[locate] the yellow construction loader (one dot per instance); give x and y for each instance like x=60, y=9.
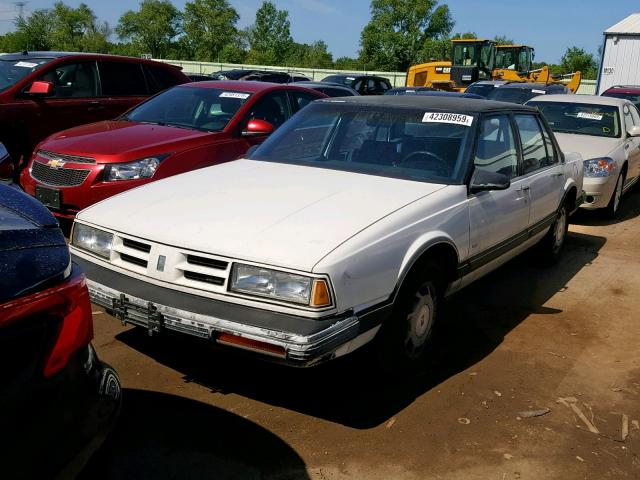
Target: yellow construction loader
x=480, y=59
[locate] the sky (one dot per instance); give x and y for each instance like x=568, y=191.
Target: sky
x=548, y=25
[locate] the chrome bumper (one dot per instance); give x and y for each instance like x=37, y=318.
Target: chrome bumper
x=339, y=338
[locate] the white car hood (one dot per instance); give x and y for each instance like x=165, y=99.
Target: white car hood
x=589, y=146
x=283, y=215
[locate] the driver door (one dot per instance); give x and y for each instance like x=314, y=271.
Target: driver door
x=498, y=219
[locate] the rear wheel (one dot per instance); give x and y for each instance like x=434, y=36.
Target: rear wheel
x=612, y=209
x=405, y=337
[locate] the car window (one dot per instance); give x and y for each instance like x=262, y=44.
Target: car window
x=534, y=151
x=628, y=119
x=272, y=107
x=580, y=118
x=73, y=80
x=636, y=116
x=120, y=79
x=160, y=78
x=383, y=86
x=357, y=85
x=301, y=99
x=632, y=97
x=496, y=148
x=11, y=71
x=207, y=109
x=386, y=141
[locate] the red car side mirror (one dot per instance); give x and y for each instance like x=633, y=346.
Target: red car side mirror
x=41, y=89
x=258, y=128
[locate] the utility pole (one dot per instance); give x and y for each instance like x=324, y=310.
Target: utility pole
x=20, y=6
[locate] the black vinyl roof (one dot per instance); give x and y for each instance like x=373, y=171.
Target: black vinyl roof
x=449, y=104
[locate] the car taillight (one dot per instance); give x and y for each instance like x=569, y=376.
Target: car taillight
x=68, y=301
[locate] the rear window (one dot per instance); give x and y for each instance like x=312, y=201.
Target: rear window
x=632, y=97
x=482, y=90
x=121, y=79
x=161, y=78
x=513, y=95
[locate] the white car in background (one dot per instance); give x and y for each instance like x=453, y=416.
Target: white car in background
x=350, y=224
x=606, y=132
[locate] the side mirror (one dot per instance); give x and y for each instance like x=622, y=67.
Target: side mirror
x=484, y=181
x=41, y=89
x=6, y=166
x=634, y=131
x=258, y=128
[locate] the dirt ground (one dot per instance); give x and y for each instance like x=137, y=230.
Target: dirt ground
x=522, y=340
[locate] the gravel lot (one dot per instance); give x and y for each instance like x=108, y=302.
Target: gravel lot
x=520, y=341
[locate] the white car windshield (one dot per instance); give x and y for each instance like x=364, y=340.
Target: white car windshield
x=581, y=118
x=393, y=142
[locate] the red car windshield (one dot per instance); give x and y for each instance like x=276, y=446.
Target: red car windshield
x=206, y=109
x=11, y=71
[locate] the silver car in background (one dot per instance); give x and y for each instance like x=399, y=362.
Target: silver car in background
x=606, y=132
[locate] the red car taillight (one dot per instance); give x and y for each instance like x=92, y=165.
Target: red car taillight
x=68, y=301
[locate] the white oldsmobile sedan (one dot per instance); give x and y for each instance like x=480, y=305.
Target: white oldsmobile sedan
x=606, y=132
x=350, y=224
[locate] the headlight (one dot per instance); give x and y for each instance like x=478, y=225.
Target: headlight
x=599, y=167
x=278, y=285
x=92, y=240
x=144, y=168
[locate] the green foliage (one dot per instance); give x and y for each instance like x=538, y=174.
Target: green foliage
x=209, y=26
x=575, y=59
x=153, y=27
x=399, y=30
x=502, y=40
x=315, y=55
x=464, y=36
x=77, y=29
x=34, y=32
x=269, y=38
x=347, y=63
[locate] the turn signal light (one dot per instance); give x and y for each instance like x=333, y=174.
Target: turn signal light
x=320, y=294
x=250, y=344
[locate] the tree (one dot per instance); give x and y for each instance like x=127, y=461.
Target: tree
x=502, y=40
x=346, y=63
x=34, y=31
x=399, y=29
x=153, y=27
x=209, y=26
x=270, y=37
x=315, y=55
x=464, y=36
x=575, y=59
x=77, y=29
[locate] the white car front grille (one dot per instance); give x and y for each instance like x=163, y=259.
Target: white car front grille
x=170, y=264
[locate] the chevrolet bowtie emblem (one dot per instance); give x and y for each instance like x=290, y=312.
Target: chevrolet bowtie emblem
x=55, y=163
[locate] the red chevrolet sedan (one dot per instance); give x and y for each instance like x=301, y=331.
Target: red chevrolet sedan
x=187, y=127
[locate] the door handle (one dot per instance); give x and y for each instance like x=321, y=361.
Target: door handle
x=558, y=175
x=526, y=188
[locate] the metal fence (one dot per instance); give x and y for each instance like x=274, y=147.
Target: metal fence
x=398, y=79
x=204, y=68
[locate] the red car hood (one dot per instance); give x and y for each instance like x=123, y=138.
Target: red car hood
x=115, y=141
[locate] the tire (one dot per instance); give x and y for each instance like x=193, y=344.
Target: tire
x=613, y=208
x=551, y=245
x=404, y=339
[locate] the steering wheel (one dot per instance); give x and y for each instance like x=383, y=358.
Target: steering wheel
x=440, y=165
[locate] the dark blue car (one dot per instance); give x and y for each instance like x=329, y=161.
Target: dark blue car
x=58, y=399
x=430, y=92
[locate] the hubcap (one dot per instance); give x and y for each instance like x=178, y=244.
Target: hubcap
x=561, y=227
x=420, y=321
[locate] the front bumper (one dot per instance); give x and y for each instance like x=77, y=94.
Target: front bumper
x=598, y=191
x=294, y=340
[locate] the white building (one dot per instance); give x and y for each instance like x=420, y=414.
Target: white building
x=620, y=62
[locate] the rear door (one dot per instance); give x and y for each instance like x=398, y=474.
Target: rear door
x=541, y=167
x=498, y=219
x=632, y=144
x=123, y=85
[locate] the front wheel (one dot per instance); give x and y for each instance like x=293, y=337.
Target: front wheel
x=405, y=336
x=612, y=209
x=551, y=245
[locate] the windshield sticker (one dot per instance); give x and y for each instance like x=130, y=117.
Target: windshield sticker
x=590, y=116
x=26, y=65
x=539, y=92
x=453, y=118
x=242, y=96
x=351, y=78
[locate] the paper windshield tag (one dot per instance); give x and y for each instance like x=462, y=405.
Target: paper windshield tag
x=539, y=92
x=453, y=118
x=242, y=96
x=26, y=64
x=590, y=116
